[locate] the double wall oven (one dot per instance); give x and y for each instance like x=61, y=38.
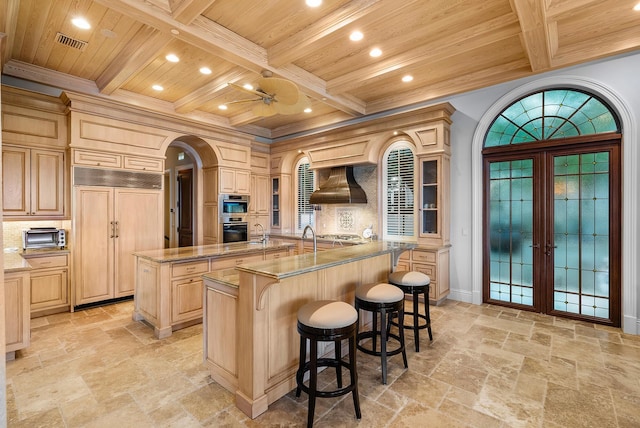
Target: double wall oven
x=234, y=218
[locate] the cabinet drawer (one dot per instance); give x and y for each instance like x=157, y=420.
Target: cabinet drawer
x=189, y=268
x=48, y=261
x=143, y=164
x=81, y=157
x=405, y=255
x=231, y=262
x=428, y=270
x=424, y=256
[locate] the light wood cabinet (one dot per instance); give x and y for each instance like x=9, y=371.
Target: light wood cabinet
x=33, y=183
x=434, y=200
x=117, y=161
x=234, y=181
x=109, y=225
x=432, y=261
x=259, y=198
x=169, y=295
x=17, y=322
x=49, y=284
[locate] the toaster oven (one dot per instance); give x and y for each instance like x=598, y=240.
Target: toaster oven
x=43, y=237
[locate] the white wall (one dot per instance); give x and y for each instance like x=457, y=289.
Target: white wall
x=616, y=78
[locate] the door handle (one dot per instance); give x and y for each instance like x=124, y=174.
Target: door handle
x=548, y=248
x=113, y=230
x=534, y=246
x=117, y=229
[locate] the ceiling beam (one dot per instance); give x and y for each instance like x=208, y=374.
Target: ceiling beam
x=209, y=91
x=473, y=38
x=136, y=55
x=535, y=33
x=295, y=46
x=220, y=41
x=188, y=10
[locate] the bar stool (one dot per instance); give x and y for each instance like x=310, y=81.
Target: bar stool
x=327, y=321
x=414, y=283
x=383, y=299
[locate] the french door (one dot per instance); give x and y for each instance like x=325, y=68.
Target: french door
x=552, y=230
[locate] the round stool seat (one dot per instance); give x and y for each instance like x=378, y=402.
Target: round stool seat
x=409, y=278
x=379, y=293
x=327, y=314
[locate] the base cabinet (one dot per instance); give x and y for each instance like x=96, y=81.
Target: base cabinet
x=49, y=284
x=17, y=318
x=432, y=261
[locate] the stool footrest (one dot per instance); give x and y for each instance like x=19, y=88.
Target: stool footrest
x=369, y=334
x=409, y=315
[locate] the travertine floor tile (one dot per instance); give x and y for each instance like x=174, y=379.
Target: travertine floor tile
x=486, y=367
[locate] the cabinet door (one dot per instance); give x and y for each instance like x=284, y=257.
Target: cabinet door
x=139, y=223
x=243, y=182
x=260, y=194
x=93, y=246
x=49, y=289
x=47, y=183
x=227, y=181
x=186, y=299
x=15, y=181
x=16, y=316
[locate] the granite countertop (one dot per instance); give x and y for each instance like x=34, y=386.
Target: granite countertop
x=296, y=265
x=167, y=255
x=14, y=262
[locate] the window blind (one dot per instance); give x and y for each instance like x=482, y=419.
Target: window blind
x=305, y=188
x=399, y=201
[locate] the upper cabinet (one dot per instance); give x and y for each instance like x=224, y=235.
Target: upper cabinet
x=33, y=183
x=434, y=200
x=234, y=181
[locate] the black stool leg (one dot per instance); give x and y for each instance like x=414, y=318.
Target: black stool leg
x=416, y=329
x=354, y=375
x=313, y=381
x=383, y=343
x=303, y=356
x=426, y=311
x=401, y=335
x=338, y=355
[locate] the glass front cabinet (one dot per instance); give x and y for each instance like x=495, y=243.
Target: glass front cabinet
x=275, y=202
x=434, y=199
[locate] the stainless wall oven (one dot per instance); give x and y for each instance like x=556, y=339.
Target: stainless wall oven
x=234, y=218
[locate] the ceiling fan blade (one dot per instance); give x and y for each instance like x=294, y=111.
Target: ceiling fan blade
x=284, y=91
x=264, y=110
x=248, y=100
x=298, y=107
x=249, y=91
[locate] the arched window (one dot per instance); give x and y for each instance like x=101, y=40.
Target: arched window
x=399, y=190
x=551, y=114
x=305, y=179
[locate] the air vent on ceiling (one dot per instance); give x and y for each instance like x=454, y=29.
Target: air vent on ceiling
x=71, y=42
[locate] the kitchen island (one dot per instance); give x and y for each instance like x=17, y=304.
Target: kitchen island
x=251, y=344
x=168, y=282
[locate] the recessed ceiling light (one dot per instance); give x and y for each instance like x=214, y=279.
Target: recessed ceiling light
x=157, y=88
x=375, y=52
x=205, y=70
x=308, y=110
x=172, y=58
x=248, y=86
x=407, y=78
x=222, y=106
x=80, y=22
x=356, y=36
x=636, y=7
x=314, y=3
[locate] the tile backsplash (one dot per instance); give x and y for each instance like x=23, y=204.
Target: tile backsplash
x=12, y=230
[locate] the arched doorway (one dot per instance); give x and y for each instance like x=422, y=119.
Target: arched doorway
x=188, y=194
x=552, y=207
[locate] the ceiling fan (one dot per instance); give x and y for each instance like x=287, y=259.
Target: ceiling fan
x=274, y=96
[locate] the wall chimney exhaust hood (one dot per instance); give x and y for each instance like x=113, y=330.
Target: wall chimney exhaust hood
x=340, y=188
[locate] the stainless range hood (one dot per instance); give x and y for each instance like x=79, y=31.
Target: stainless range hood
x=340, y=188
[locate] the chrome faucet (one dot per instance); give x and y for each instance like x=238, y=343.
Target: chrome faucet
x=304, y=235
x=264, y=235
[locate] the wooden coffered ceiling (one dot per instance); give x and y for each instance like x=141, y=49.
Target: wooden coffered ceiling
x=448, y=46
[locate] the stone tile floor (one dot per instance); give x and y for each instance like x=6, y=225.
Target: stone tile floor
x=486, y=367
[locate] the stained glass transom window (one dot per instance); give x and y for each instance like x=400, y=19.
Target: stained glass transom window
x=551, y=114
